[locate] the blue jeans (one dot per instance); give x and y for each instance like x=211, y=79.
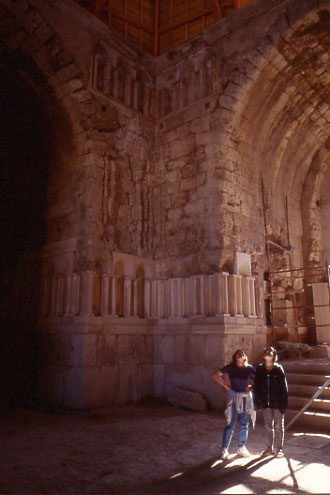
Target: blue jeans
x=243, y=429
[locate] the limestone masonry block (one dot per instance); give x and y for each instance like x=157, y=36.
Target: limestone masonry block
x=127, y=383
x=182, y=147
x=214, y=350
x=197, y=349
x=187, y=399
x=181, y=349
x=159, y=380
x=145, y=381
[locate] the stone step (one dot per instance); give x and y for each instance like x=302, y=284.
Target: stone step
x=318, y=405
x=306, y=379
x=317, y=421
x=308, y=391
x=312, y=366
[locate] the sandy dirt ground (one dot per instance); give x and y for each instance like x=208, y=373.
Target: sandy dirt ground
x=145, y=449
x=109, y=452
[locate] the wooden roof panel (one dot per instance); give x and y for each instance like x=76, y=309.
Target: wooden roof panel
x=198, y=6
x=159, y=25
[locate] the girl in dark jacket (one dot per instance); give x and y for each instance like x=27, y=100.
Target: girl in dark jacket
x=271, y=396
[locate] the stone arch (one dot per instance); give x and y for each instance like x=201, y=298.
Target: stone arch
x=168, y=100
x=120, y=80
x=119, y=269
x=140, y=272
x=143, y=92
x=204, y=67
x=26, y=31
x=99, y=71
x=140, y=277
x=139, y=91
x=60, y=82
x=315, y=207
x=47, y=72
x=183, y=89
x=207, y=82
x=119, y=273
x=274, y=105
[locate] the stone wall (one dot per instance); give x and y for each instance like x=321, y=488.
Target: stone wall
x=167, y=155
x=117, y=339
x=214, y=154
x=163, y=160
x=118, y=361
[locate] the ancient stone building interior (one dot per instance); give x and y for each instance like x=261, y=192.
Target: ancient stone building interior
x=165, y=177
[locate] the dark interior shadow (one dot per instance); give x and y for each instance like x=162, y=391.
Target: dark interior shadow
x=25, y=139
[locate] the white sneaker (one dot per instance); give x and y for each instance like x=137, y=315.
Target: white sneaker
x=224, y=453
x=243, y=452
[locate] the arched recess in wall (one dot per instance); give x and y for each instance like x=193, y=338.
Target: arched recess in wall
x=323, y=204
x=315, y=202
x=140, y=85
x=280, y=93
x=140, y=276
x=120, y=80
x=28, y=154
x=37, y=143
x=119, y=273
x=100, y=70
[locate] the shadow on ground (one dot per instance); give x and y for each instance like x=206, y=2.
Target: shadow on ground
x=216, y=476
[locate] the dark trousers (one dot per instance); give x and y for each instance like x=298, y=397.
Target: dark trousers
x=274, y=428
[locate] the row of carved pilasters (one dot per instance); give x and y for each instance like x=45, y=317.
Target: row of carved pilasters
x=91, y=293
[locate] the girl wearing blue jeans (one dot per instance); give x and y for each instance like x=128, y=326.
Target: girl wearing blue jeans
x=240, y=401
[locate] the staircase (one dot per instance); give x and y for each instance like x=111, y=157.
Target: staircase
x=305, y=377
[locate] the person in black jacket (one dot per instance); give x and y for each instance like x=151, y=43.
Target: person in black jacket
x=271, y=396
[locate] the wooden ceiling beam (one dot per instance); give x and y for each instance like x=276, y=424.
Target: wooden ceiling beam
x=156, y=33
x=150, y=34
x=186, y=24
x=96, y=6
x=141, y=22
x=128, y=20
x=217, y=8
x=125, y=15
x=188, y=19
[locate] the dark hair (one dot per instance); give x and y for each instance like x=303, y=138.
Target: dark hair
x=271, y=350
x=234, y=356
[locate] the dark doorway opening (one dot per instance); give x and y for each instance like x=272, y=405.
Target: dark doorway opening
x=25, y=137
